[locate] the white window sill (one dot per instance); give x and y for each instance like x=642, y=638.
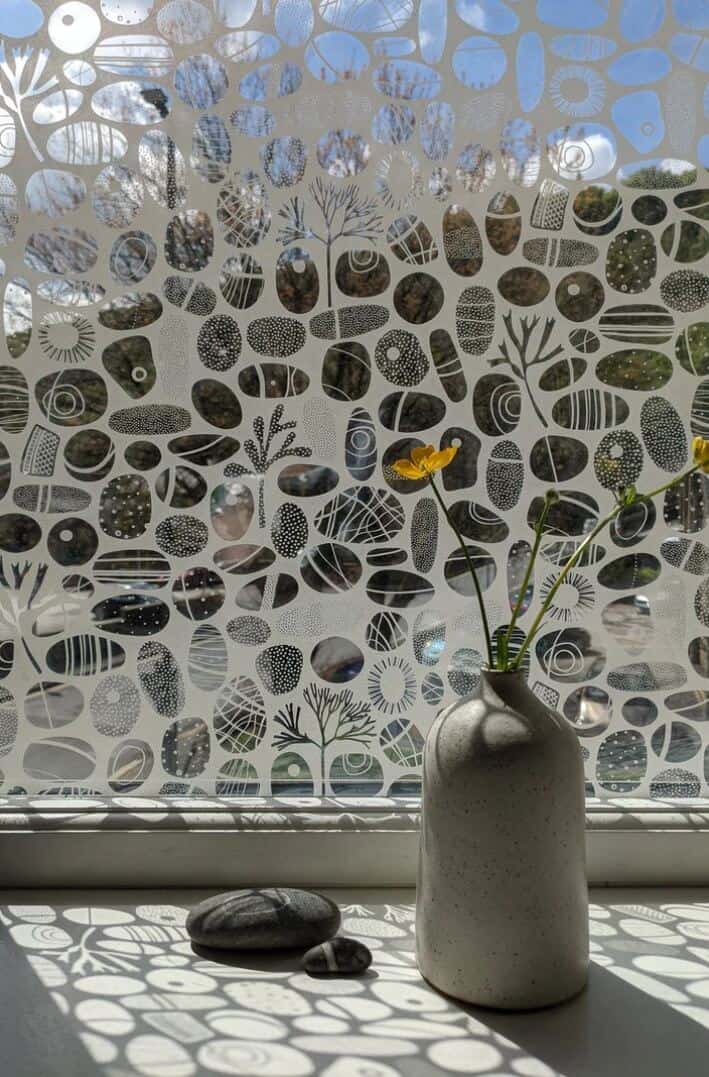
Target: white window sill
x=79, y=1001
x=139, y=841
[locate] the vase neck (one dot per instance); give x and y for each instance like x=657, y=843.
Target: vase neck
x=510, y=686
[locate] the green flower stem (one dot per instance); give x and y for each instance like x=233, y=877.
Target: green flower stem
x=672, y=482
x=558, y=582
x=471, y=567
x=576, y=557
x=539, y=530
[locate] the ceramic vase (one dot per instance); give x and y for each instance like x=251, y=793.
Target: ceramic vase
x=502, y=903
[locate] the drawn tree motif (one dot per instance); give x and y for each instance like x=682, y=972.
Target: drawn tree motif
x=346, y=214
x=260, y=453
x=522, y=343
x=13, y=73
x=338, y=718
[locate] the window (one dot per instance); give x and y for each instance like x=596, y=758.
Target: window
x=253, y=253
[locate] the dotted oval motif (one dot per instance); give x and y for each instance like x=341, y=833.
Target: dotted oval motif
x=635, y=370
x=631, y=261
x=505, y=475
x=289, y=530
x=475, y=319
x=160, y=679
x=618, y=460
x=276, y=337
x=424, y=534
x=279, y=668
x=400, y=358
x=663, y=434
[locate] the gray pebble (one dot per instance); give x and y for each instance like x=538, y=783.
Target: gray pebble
x=339, y=955
x=264, y=919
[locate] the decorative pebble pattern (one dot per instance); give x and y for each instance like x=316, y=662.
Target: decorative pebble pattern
x=249, y=258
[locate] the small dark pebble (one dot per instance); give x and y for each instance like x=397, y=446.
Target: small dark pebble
x=338, y=956
x=265, y=919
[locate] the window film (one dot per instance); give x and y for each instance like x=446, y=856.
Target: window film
x=253, y=252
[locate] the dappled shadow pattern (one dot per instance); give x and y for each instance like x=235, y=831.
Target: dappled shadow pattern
x=145, y=1002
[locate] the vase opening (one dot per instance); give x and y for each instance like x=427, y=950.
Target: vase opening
x=488, y=672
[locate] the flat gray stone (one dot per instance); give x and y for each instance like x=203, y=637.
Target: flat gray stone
x=273, y=918
x=337, y=957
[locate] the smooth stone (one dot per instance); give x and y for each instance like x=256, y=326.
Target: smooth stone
x=274, y=918
x=338, y=956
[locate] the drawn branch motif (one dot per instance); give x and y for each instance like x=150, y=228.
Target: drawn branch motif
x=13, y=608
x=398, y=914
x=289, y=718
x=336, y=717
x=357, y=213
x=18, y=575
x=295, y=228
x=261, y=456
x=356, y=910
x=522, y=342
x=83, y=960
x=345, y=212
x=17, y=84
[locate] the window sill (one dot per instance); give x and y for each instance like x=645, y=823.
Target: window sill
x=160, y=841
x=179, y=1012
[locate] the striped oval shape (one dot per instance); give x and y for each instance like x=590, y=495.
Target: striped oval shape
x=590, y=409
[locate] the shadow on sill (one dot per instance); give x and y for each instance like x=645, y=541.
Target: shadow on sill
x=36, y=1037
x=611, y=1029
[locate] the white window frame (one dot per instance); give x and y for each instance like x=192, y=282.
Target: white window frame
x=227, y=842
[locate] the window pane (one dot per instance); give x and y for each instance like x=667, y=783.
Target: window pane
x=252, y=254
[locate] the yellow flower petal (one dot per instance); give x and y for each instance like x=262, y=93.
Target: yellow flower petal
x=438, y=460
x=421, y=453
x=408, y=470
x=700, y=452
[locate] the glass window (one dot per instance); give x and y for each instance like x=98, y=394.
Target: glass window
x=254, y=253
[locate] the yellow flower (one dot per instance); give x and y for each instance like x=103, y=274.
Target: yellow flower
x=424, y=462
x=700, y=452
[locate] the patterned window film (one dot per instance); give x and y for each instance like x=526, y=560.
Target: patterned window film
x=253, y=251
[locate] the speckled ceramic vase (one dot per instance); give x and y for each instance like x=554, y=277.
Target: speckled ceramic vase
x=502, y=904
